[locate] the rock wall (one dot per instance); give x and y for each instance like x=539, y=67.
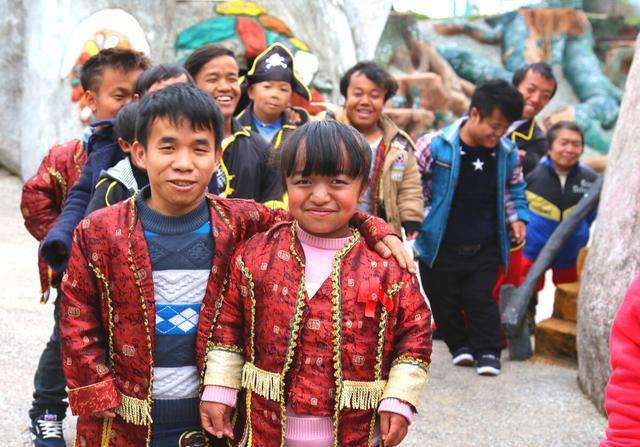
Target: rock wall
x=36, y=108
x=614, y=256
x=12, y=28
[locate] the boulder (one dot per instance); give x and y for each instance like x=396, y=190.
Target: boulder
x=614, y=256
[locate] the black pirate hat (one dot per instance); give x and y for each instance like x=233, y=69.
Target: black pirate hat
x=275, y=64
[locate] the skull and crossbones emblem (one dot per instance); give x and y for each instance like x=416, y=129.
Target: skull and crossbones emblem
x=275, y=60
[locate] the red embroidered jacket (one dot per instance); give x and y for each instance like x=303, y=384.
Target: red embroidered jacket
x=364, y=336
x=43, y=196
x=108, y=318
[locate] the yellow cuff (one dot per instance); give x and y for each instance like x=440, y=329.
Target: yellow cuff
x=406, y=382
x=224, y=368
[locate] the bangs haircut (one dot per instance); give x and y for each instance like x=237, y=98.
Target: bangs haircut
x=115, y=58
x=157, y=73
x=125, y=123
x=498, y=94
x=329, y=149
x=179, y=103
x=202, y=55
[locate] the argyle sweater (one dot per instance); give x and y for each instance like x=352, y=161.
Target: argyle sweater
x=181, y=250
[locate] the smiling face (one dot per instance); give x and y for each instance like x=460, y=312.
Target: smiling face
x=566, y=149
x=270, y=99
x=537, y=92
x=114, y=90
x=323, y=205
x=485, y=132
x=364, y=102
x=219, y=78
x=180, y=162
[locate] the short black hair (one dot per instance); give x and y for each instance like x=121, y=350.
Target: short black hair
x=375, y=73
x=116, y=58
x=179, y=102
x=157, y=73
x=204, y=54
x=125, y=124
x=542, y=68
x=554, y=130
x=330, y=148
x=500, y=94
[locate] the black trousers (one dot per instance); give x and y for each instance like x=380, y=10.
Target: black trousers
x=49, y=382
x=463, y=282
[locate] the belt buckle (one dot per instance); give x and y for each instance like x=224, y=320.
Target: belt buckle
x=468, y=250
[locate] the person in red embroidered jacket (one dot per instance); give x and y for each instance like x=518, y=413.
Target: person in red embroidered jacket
x=329, y=343
x=145, y=278
x=622, y=394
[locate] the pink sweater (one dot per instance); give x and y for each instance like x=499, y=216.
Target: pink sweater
x=303, y=430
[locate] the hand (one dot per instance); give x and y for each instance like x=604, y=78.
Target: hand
x=411, y=235
x=392, y=245
x=60, y=249
x=521, y=153
x=293, y=116
x=518, y=232
x=111, y=414
x=393, y=428
x=216, y=419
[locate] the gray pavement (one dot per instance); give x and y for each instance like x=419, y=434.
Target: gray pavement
x=530, y=404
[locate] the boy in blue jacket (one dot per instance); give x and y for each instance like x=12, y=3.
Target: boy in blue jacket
x=108, y=79
x=474, y=197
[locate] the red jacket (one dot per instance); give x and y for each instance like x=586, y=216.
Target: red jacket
x=43, y=196
x=363, y=337
x=622, y=394
x=107, y=323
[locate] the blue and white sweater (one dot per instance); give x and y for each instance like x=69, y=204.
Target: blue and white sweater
x=181, y=251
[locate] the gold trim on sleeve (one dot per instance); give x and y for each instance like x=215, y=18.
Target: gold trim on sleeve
x=224, y=368
x=406, y=382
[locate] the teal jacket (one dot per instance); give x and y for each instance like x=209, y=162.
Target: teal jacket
x=438, y=157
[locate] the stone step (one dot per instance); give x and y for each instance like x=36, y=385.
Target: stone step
x=556, y=338
x=565, y=303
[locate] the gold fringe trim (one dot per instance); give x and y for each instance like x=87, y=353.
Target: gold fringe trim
x=361, y=395
x=264, y=383
x=134, y=411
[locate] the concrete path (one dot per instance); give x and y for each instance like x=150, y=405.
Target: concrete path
x=528, y=405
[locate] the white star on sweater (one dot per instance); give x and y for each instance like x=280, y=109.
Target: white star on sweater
x=477, y=165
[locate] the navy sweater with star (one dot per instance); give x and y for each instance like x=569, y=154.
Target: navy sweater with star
x=473, y=215
x=181, y=252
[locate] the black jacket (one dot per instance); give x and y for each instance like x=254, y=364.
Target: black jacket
x=116, y=184
x=531, y=139
x=245, y=118
x=245, y=171
x=550, y=203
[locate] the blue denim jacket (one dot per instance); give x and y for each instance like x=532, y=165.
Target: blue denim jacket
x=438, y=157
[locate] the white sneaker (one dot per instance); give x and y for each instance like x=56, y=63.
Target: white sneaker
x=463, y=357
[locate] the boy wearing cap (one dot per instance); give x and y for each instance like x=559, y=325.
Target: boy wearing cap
x=270, y=84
